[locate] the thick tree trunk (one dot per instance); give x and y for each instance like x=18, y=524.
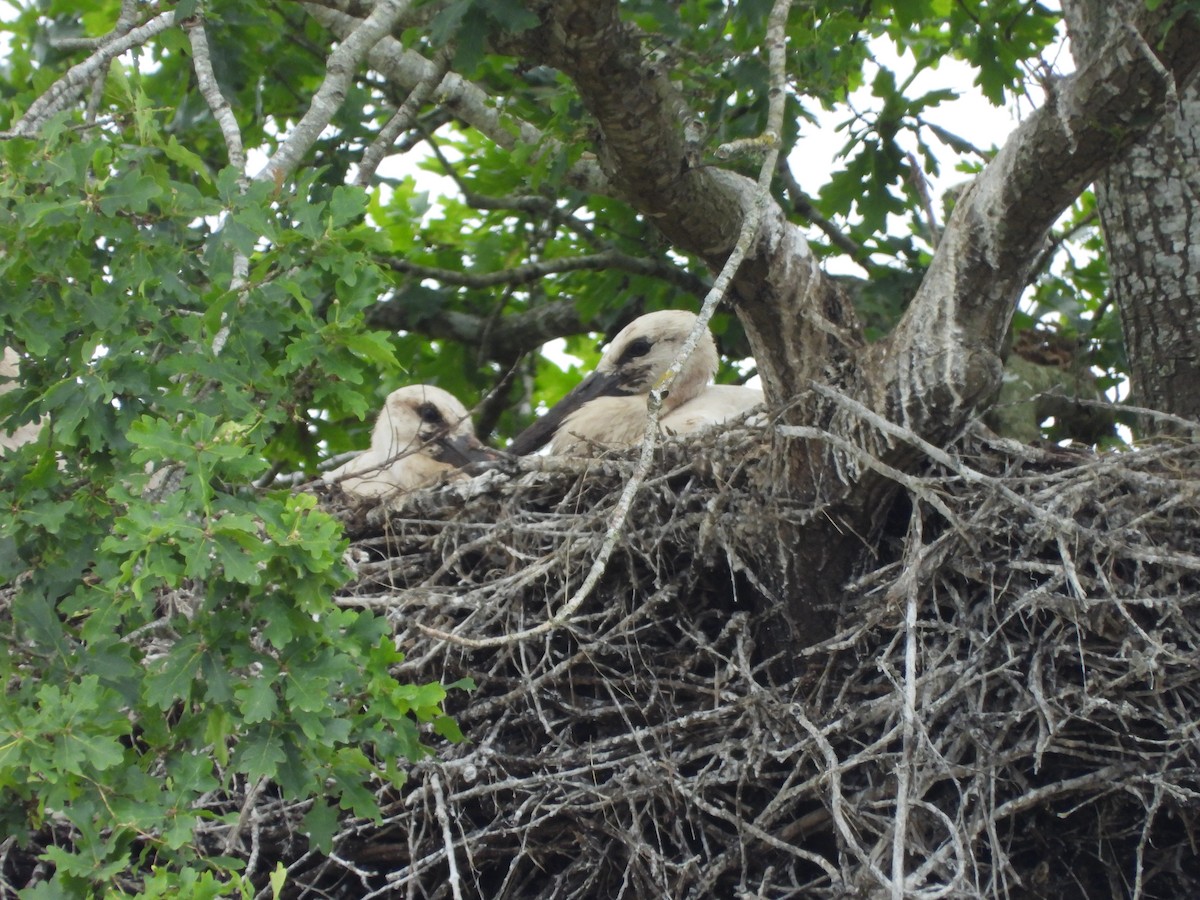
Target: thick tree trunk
x=1148, y=209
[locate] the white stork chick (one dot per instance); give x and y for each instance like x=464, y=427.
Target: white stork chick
x=423, y=435
x=607, y=410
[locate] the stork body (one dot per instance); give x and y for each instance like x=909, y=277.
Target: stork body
x=607, y=409
x=422, y=435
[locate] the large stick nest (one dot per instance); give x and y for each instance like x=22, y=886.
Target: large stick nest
x=1009, y=707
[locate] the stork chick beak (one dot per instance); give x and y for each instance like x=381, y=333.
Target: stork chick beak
x=597, y=384
x=462, y=450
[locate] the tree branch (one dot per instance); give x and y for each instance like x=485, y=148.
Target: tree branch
x=941, y=361
x=526, y=203
x=642, y=117
x=465, y=100
x=502, y=338
x=206, y=80
x=403, y=119
x=67, y=89
x=1055, y=242
x=534, y=271
x=343, y=63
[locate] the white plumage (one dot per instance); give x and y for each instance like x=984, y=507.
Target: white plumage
x=422, y=435
x=608, y=408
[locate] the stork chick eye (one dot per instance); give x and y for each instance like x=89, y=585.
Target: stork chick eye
x=637, y=348
x=430, y=414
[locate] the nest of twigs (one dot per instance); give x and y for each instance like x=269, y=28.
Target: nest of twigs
x=1009, y=707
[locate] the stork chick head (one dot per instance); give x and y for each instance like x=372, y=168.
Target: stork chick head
x=422, y=434
x=633, y=364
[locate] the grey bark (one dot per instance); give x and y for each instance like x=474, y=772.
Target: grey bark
x=1148, y=203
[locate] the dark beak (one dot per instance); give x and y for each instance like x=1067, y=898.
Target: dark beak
x=537, y=435
x=462, y=450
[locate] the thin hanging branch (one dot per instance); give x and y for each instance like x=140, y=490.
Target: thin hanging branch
x=206, y=80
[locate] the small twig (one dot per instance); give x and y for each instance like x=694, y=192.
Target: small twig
x=832, y=774
x=444, y=820
x=402, y=120
x=256, y=843
x=770, y=840
x=904, y=770
x=1106, y=775
x=245, y=816
x=954, y=887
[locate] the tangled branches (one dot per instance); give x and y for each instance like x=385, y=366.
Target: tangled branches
x=1008, y=708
